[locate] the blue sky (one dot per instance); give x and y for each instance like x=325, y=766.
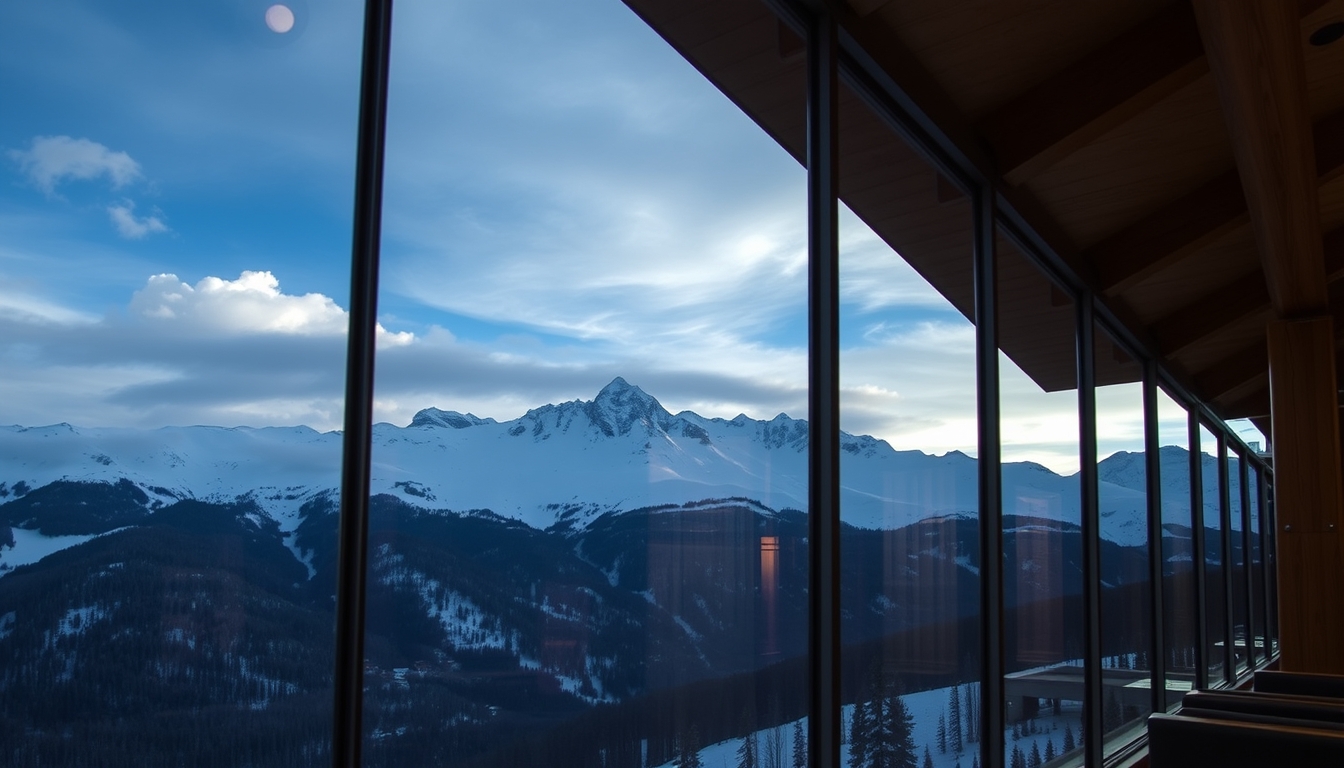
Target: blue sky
x=566, y=201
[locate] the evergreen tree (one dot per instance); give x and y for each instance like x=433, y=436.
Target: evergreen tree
x=954, y=718
x=942, y=734
x=881, y=729
x=897, y=727
x=1049, y=750
x=1017, y=731
x=858, y=736
x=1111, y=714
x=688, y=749
x=1069, y=744
x=799, y=745
x=746, y=754
x=928, y=758
x=1018, y=760
x=1034, y=757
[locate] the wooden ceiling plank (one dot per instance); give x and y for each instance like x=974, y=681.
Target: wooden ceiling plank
x=1252, y=406
x=1233, y=371
x=1256, y=58
x=1328, y=141
x=1108, y=86
x=1169, y=234
x=1333, y=246
x=1242, y=298
x=1197, y=219
x=1199, y=320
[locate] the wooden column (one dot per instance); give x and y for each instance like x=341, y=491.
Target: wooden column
x=1255, y=57
x=1307, y=495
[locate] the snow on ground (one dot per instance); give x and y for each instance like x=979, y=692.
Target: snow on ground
x=31, y=546
x=925, y=707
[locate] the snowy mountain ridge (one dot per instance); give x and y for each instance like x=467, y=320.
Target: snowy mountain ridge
x=578, y=459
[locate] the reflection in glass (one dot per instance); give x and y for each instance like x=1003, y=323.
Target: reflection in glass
x=910, y=583
x=1126, y=582
x=1180, y=611
x=588, y=542
x=1215, y=587
x=1043, y=622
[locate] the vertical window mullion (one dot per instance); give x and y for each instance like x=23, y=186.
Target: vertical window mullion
x=1091, y=533
x=1225, y=515
x=990, y=469
x=823, y=396
x=1156, y=561
x=1200, y=552
x=1248, y=584
x=357, y=440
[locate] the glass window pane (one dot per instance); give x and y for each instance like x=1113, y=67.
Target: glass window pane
x=1256, y=566
x=1126, y=582
x=1043, y=622
x=175, y=197
x=1237, y=565
x=1215, y=588
x=588, y=538
x=1271, y=560
x=1180, y=612
x=908, y=471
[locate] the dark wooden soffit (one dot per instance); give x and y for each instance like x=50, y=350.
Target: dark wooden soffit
x=1247, y=295
x=1107, y=87
x=1193, y=221
x=741, y=47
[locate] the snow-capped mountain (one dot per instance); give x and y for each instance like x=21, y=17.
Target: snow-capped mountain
x=564, y=462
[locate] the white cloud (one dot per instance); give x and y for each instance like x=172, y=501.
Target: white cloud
x=52, y=159
x=252, y=304
x=130, y=227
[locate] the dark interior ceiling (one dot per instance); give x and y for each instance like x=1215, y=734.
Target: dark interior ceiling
x=1105, y=128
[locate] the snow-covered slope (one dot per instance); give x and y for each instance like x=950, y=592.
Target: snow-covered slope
x=620, y=451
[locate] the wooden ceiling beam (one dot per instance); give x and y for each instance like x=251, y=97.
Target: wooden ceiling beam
x=1232, y=371
x=1333, y=246
x=1185, y=226
x=1199, y=320
x=1252, y=406
x=1257, y=63
x=1169, y=234
x=1101, y=91
x=1244, y=297
x=1107, y=87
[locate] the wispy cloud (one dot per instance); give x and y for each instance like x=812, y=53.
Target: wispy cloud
x=49, y=160
x=129, y=225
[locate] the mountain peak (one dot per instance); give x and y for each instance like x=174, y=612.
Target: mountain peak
x=621, y=394
x=621, y=404
x=433, y=417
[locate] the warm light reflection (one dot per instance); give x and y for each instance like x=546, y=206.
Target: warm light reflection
x=769, y=588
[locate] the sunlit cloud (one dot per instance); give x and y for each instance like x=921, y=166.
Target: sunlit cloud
x=252, y=304
x=49, y=160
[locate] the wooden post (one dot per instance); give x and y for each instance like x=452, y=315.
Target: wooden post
x=1308, y=497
